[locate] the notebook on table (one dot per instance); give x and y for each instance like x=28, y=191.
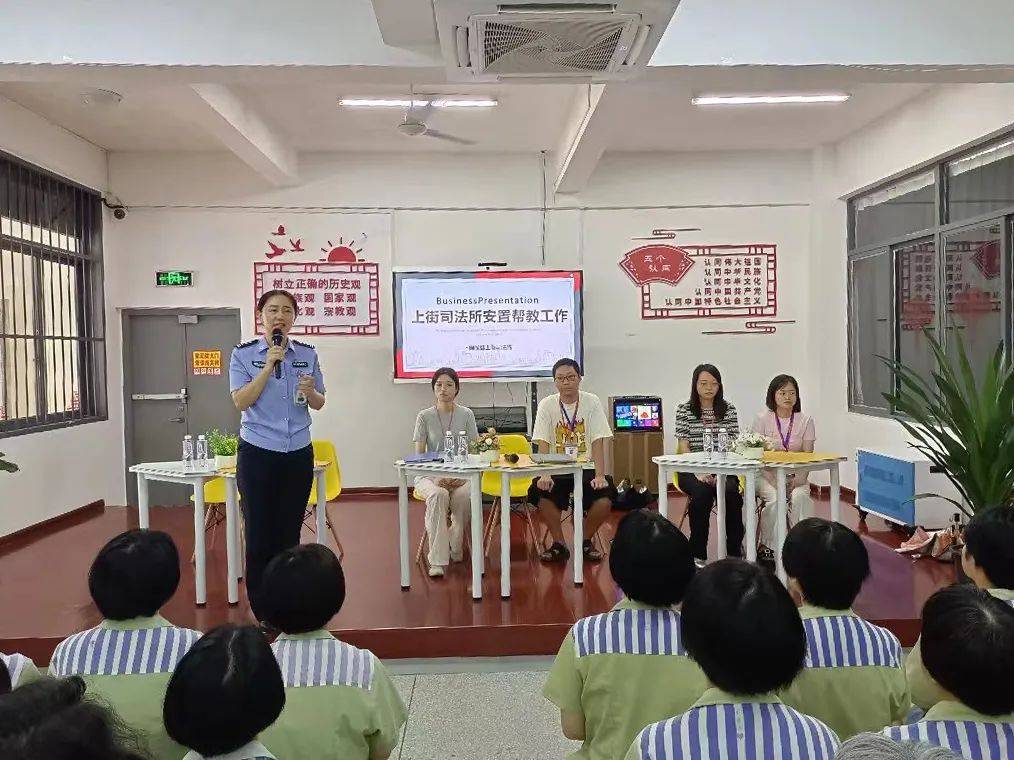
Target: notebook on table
x=423, y=458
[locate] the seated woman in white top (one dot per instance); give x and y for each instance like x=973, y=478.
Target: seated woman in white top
x=789, y=429
x=443, y=495
x=225, y=691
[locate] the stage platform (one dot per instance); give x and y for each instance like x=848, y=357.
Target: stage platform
x=44, y=591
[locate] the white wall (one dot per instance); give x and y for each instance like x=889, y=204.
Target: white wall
x=35, y=494
x=623, y=353
x=941, y=121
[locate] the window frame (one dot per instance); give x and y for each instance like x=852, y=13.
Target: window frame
x=89, y=318
x=869, y=253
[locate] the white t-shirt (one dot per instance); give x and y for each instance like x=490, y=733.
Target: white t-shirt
x=587, y=420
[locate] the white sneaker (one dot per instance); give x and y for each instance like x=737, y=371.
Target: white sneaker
x=436, y=571
x=700, y=563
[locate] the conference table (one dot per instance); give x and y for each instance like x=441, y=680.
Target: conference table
x=178, y=472
x=781, y=463
x=473, y=474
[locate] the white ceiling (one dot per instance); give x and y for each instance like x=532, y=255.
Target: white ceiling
x=657, y=116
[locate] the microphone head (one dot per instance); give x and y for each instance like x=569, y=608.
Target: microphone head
x=276, y=336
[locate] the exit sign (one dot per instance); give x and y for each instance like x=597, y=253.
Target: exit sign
x=174, y=279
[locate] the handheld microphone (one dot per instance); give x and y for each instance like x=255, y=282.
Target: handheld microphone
x=276, y=338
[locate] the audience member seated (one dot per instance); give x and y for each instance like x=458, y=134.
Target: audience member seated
x=340, y=700
x=619, y=671
x=988, y=559
x=707, y=410
x=879, y=747
x=789, y=429
x=968, y=649
x=20, y=669
x=846, y=656
x=742, y=628
x=225, y=691
x=127, y=659
x=51, y=719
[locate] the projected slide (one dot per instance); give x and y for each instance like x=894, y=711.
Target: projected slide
x=486, y=324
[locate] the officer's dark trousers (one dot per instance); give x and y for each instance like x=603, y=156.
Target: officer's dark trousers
x=274, y=488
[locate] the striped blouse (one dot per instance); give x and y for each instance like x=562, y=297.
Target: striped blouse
x=958, y=728
x=688, y=427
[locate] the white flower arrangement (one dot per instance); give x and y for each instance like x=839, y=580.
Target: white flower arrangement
x=751, y=444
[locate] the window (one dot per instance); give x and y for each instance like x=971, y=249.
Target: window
x=869, y=289
x=942, y=238
x=52, y=350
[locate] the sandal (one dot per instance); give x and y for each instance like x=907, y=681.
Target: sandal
x=555, y=553
x=591, y=553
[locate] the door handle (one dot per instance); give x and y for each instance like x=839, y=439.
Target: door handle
x=177, y=419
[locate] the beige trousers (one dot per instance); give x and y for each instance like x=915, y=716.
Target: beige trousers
x=446, y=541
x=800, y=507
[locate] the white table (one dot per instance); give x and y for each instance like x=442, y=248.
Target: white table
x=722, y=467
x=176, y=472
x=473, y=474
x=781, y=471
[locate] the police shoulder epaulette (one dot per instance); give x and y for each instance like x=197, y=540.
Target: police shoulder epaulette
x=247, y=344
x=304, y=345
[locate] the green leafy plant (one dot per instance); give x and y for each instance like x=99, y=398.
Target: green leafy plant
x=222, y=444
x=964, y=426
x=488, y=441
x=7, y=465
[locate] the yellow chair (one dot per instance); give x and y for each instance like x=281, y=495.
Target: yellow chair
x=510, y=443
x=214, y=509
x=324, y=451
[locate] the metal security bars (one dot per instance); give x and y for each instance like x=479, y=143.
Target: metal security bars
x=52, y=336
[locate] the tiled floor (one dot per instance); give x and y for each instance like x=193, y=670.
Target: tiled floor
x=480, y=716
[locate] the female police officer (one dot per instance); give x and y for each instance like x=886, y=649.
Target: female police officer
x=275, y=466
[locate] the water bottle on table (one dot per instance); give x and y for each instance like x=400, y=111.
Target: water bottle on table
x=709, y=442
x=202, y=453
x=448, y=447
x=188, y=452
x=723, y=443
x=462, y=457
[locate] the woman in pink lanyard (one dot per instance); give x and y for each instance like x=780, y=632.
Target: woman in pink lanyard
x=788, y=429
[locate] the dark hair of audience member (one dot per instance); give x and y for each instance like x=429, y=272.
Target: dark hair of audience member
x=650, y=559
x=302, y=589
x=741, y=626
x=828, y=560
x=5, y=679
x=989, y=539
x=968, y=647
x=50, y=719
x=134, y=574
x=224, y=692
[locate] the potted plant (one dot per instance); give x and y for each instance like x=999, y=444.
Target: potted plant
x=7, y=465
x=485, y=449
x=223, y=447
x=751, y=445
x=962, y=424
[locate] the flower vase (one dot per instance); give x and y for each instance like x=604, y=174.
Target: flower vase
x=757, y=453
x=490, y=457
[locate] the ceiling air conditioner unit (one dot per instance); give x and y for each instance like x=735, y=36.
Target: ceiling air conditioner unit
x=484, y=41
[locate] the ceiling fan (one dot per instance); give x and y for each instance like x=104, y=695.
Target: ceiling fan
x=414, y=123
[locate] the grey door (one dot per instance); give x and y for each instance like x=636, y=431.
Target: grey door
x=166, y=395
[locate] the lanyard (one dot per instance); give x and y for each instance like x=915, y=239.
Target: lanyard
x=450, y=421
x=788, y=434
x=570, y=422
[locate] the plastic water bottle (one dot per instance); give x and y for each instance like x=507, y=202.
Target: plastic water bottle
x=709, y=442
x=188, y=452
x=448, y=446
x=462, y=447
x=723, y=442
x=202, y=452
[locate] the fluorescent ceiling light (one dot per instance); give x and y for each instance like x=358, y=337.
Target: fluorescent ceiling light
x=749, y=100
x=417, y=103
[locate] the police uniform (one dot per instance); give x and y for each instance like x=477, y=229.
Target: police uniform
x=853, y=678
x=128, y=664
x=339, y=701
x=21, y=669
x=926, y=692
x=722, y=726
x=275, y=467
x=622, y=670
x=962, y=730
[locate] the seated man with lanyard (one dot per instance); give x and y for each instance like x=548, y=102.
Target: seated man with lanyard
x=572, y=422
x=846, y=656
x=621, y=670
x=340, y=701
x=968, y=650
x=128, y=658
x=741, y=626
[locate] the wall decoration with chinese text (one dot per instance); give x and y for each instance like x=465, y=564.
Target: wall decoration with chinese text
x=333, y=298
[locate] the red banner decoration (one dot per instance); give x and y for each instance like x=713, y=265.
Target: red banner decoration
x=987, y=259
x=656, y=263
x=333, y=298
